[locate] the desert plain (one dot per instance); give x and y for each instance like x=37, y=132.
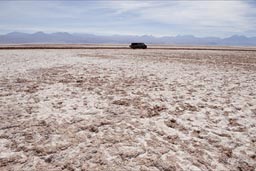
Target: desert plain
x=127, y=110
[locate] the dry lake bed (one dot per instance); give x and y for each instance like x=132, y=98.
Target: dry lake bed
x=127, y=110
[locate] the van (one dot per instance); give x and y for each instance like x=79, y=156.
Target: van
x=138, y=46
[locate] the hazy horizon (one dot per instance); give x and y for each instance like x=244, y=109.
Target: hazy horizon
x=67, y=38
x=140, y=35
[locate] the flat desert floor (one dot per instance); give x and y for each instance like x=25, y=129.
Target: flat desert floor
x=127, y=110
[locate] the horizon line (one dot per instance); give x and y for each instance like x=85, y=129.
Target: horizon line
x=149, y=35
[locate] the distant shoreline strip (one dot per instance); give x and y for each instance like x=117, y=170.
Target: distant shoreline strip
x=98, y=47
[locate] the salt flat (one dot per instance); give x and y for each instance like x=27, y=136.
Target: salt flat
x=122, y=109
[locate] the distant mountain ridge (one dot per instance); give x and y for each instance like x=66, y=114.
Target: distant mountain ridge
x=67, y=38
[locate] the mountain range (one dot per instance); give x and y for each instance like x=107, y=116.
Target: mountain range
x=67, y=38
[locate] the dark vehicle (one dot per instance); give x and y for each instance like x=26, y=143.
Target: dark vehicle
x=138, y=46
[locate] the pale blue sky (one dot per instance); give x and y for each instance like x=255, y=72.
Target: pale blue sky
x=158, y=18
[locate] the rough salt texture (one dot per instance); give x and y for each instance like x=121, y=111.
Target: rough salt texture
x=136, y=110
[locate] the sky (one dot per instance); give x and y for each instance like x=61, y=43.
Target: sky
x=200, y=18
